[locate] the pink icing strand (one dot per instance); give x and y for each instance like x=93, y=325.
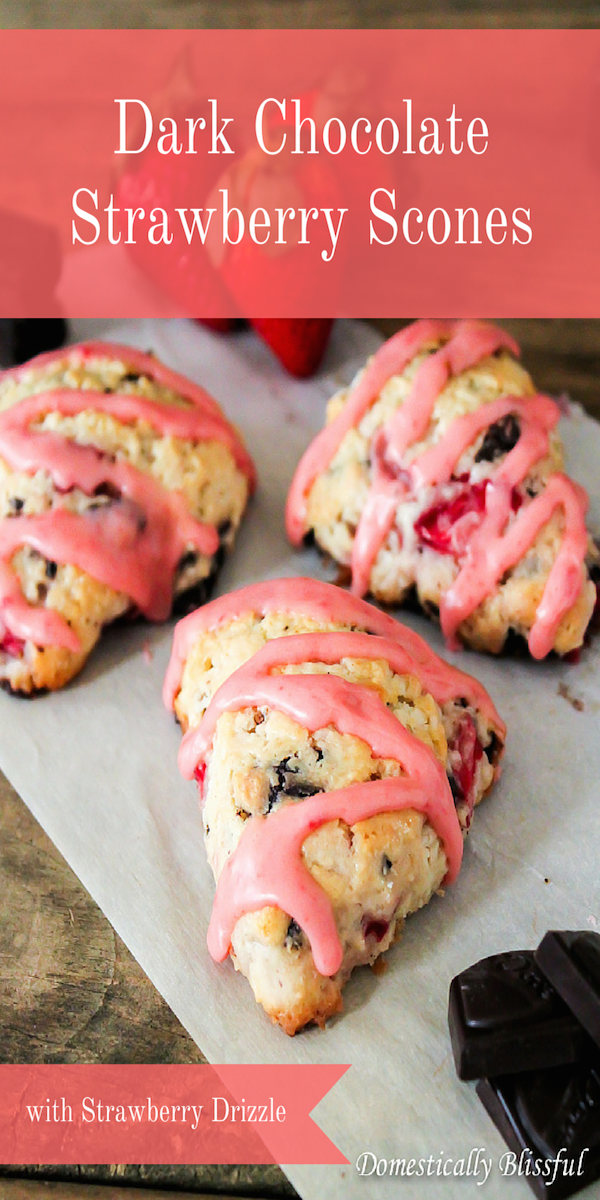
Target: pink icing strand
x=322, y=602
x=393, y=480
x=469, y=343
x=537, y=414
x=132, y=546
x=143, y=364
x=492, y=552
x=267, y=869
x=392, y=358
x=17, y=439
x=239, y=690
x=435, y=466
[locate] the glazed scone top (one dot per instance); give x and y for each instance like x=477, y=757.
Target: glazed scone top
x=132, y=546
x=266, y=867
x=414, y=444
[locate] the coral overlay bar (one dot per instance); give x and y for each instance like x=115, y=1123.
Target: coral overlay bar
x=164, y=1114
x=223, y=173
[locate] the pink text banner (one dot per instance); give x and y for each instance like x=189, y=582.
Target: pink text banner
x=306, y=173
x=164, y=1114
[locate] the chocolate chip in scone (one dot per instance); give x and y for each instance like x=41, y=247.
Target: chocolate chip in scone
x=501, y=437
x=515, y=645
x=294, y=938
x=194, y=597
x=199, y=593
x=286, y=783
x=189, y=559
x=493, y=749
x=107, y=490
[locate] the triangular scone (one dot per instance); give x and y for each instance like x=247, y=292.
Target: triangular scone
x=339, y=761
x=440, y=472
x=121, y=487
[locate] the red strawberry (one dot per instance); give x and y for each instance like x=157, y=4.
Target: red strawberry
x=11, y=645
x=374, y=928
x=439, y=526
x=436, y=526
x=298, y=342
x=467, y=746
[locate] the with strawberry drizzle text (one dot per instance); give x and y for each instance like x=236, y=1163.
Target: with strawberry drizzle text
x=133, y=546
x=502, y=536
x=267, y=867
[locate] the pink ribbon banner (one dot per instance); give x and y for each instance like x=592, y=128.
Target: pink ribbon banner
x=164, y=1114
x=299, y=173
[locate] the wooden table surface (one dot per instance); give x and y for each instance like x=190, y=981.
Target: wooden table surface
x=69, y=989
x=298, y=14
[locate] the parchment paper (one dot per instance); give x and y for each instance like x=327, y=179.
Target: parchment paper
x=97, y=766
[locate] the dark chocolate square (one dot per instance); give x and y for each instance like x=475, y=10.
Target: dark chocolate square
x=550, y=1120
x=505, y=1017
x=571, y=961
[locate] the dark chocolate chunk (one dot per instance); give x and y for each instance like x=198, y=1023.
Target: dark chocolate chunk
x=515, y=645
x=571, y=961
x=505, y=1017
x=189, y=559
x=294, y=938
x=550, y=1120
x=287, y=783
x=499, y=439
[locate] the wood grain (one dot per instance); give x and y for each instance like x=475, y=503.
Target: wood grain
x=296, y=14
x=16, y=1189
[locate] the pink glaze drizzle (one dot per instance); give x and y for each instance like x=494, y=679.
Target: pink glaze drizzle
x=319, y=601
x=132, y=545
x=267, y=867
x=498, y=542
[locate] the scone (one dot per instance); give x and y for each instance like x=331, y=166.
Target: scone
x=338, y=761
x=121, y=486
x=440, y=475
